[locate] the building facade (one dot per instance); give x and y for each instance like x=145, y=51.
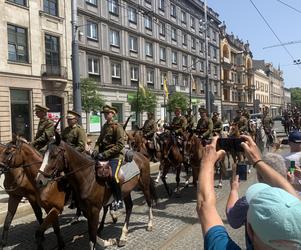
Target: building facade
x=237, y=75
x=287, y=99
x=125, y=44
x=262, y=91
x=35, y=63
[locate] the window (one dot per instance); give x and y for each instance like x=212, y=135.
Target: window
x=20, y=2
x=214, y=35
x=162, y=29
x=184, y=39
x=174, y=34
x=114, y=38
x=173, y=10
x=174, y=79
x=92, y=2
x=134, y=73
x=116, y=68
x=133, y=43
x=148, y=2
x=193, y=63
x=202, y=47
x=215, y=70
x=192, y=22
x=185, y=81
x=148, y=23
x=150, y=77
x=52, y=55
x=193, y=43
x=132, y=15
x=202, y=66
x=174, y=57
x=17, y=44
x=184, y=60
x=149, y=49
x=50, y=7
x=93, y=66
x=161, y=5
x=214, y=53
x=92, y=30
x=162, y=54
x=183, y=17
x=113, y=7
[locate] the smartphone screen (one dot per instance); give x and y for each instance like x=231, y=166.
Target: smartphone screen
x=241, y=171
x=230, y=144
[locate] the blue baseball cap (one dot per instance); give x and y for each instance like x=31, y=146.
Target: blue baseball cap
x=275, y=216
x=295, y=136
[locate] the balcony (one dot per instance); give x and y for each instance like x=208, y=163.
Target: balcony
x=182, y=89
x=52, y=72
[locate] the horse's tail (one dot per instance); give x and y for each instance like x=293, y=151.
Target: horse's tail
x=153, y=192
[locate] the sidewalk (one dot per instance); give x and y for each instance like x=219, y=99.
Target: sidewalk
x=25, y=208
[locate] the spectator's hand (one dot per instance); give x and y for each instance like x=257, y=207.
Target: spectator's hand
x=251, y=149
x=235, y=183
x=210, y=156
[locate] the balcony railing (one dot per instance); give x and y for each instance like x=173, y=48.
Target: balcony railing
x=53, y=71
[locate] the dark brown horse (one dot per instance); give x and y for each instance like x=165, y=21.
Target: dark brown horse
x=93, y=194
x=21, y=163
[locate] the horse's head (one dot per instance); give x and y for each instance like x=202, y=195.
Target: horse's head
x=53, y=161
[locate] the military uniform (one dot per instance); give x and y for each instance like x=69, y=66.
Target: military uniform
x=190, y=122
x=179, y=124
x=75, y=136
x=204, y=128
x=149, y=128
x=217, y=125
x=267, y=123
x=45, y=130
x=242, y=123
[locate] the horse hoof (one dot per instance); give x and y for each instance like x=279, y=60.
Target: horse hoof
x=149, y=228
x=115, y=219
x=121, y=243
x=220, y=185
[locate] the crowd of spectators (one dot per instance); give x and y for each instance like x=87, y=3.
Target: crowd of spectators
x=270, y=209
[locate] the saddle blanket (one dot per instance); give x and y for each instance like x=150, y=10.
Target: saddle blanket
x=129, y=170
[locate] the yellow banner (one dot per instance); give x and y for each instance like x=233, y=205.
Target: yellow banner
x=165, y=88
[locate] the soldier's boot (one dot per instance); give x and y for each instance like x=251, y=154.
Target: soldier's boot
x=116, y=190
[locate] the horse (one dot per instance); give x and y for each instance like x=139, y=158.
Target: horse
x=262, y=139
x=21, y=164
x=63, y=161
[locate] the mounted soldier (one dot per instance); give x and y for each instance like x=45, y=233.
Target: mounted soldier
x=74, y=135
x=110, y=146
x=217, y=124
x=268, y=124
x=241, y=122
x=204, y=127
x=45, y=129
x=189, y=117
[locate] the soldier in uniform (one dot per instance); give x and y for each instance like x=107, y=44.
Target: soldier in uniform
x=189, y=117
x=110, y=146
x=179, y=122
x=74, y=135
x=268, y=124
x=45, y=129
x=149, y=127
x=241, y=121
x=217, y=124
x=205, y=125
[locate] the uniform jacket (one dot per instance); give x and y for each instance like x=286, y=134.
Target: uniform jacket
x=75, y=137
x=205, y=127
x=149, y=128
x=111, y=141
x=44, y=133
x=190, y=122
x=267, y=123
x=217, y=125
x=179, y=124
x=242, y=123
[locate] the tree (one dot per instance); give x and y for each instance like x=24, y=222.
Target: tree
x=177, y=99
x=147, y=101
x=91, y=97
x=296, y=96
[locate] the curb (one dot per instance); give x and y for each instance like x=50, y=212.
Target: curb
x=25, y=209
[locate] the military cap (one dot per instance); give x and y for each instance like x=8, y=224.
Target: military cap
x=150, y=113
x=108, y=109
x=41, y=108
x=72, y=114
x=202, y=110
x=215, y=113
x=238, y=111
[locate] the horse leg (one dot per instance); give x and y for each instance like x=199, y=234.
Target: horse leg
x=13, y=202
x=113, y=215
x=163, y=178
x=57, y=231
x=101, y=225
x=37, y=211
x=158, y=176
x=93, y=217
x=147, y=194
x=50, y=219
x=186, y=165
x=178, y=172
x=128, y=208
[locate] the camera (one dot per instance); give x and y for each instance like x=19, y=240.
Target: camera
x=230, y=144
x=241, y=171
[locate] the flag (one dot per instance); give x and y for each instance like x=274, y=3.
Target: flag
x=193, y=85
x=165, y=88
x=142, y=89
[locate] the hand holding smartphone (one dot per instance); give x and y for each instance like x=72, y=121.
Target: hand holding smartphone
x=230, y=144
x=241, y=171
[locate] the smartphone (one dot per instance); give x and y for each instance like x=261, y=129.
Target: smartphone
x=230, y=144
x=241, y=171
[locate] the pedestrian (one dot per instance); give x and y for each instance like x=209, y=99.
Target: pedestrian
x=294, y=142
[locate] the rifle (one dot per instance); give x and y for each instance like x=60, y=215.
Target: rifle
x=158, y=121
x=126, y=122
x=57, y=123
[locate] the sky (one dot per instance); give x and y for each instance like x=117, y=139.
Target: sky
x=242, y=18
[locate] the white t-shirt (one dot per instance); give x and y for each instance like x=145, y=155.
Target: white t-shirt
x=292, y=156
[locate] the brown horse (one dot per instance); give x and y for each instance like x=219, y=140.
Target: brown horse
x=22, y=163
x=93, y=195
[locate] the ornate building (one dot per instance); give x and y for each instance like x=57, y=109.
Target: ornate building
x=237, y=76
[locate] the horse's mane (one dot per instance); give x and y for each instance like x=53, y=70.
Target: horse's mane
x=19, y=141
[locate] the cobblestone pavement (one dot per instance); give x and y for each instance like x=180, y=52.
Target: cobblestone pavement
x=175, y=224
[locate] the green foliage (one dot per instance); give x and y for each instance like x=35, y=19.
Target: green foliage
x=91, y=97
x=147, y=101
x=177, y=99
x=296, y=96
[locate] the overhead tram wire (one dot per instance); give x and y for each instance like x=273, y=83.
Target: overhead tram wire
x=289, y=6
x=281, y=43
